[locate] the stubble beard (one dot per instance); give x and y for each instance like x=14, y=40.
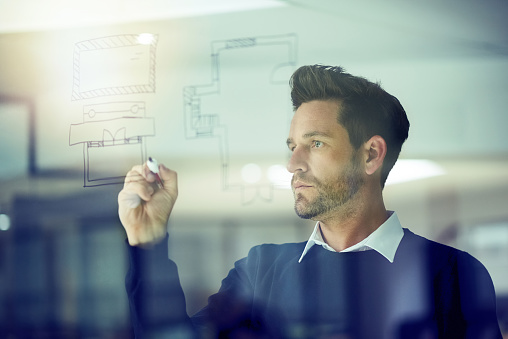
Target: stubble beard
x=330, y=195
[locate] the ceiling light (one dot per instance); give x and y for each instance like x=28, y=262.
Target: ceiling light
x=251, y=173
x=5, y=222
x=145, y=38
x=413, y=169
x=279, y=176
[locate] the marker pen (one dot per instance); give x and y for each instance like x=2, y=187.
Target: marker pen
x=153, y=166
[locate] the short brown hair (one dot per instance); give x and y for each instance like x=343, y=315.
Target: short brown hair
x=366, y=109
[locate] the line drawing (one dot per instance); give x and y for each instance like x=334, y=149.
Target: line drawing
x=112, y=131
x=198, y=123
x=99, y=66
x=106, y=127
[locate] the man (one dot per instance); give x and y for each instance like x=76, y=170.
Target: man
x=360, y=275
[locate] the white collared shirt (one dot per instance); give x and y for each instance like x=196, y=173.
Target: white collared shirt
x=385, y=239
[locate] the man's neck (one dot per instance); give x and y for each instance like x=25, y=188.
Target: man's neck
x=353, y=225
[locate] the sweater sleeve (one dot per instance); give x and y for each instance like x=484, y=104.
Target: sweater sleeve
x=157, y=302
x=156, y=299
x=477, y=298
x=231, y=312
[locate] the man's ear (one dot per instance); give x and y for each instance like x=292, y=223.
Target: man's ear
x=375, y=150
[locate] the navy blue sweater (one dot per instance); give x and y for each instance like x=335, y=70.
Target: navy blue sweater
x=429, y=291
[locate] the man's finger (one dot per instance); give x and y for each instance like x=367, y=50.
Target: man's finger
x=170, y=179
x=135, y=183
x=128, y=199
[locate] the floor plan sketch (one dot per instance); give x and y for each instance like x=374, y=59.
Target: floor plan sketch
x=269, y=59
x=104, y=68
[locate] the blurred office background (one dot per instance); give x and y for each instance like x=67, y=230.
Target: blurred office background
x=207, y=82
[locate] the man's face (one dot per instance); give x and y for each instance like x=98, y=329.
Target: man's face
x=326, y=169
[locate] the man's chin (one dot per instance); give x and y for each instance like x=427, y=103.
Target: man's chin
x=304, y=212
x=307, y=216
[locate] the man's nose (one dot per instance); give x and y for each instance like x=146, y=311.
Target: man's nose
x=298, y=161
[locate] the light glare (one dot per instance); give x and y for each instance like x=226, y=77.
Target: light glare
x=5, y=222
x=145, y=38
x=413, y=169
x=251, y=173
x=279, y=176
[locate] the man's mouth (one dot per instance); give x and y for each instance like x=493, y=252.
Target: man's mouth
x=300, y=186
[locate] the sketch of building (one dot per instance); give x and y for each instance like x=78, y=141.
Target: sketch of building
x=114, y=65
x=105, y=67
x=278, y=53
x=107, y=127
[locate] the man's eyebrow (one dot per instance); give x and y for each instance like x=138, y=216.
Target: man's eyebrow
x=308, y=135
x=316, y=134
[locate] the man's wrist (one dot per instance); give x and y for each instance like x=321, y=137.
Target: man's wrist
x=146, y=243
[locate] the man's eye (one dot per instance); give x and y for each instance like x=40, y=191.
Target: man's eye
x=318, y=144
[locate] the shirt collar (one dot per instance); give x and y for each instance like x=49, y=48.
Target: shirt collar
x=385, y=239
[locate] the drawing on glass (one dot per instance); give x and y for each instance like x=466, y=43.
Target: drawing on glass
x=273, y=59
x=114, y=65
x=107, y=130
x=112, y=133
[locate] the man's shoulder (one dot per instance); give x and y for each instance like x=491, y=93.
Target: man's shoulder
x=277, y=249
x=417, y=241
x=436, y=252
x=276, y=253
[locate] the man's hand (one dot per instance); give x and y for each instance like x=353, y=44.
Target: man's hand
x=144, y=209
